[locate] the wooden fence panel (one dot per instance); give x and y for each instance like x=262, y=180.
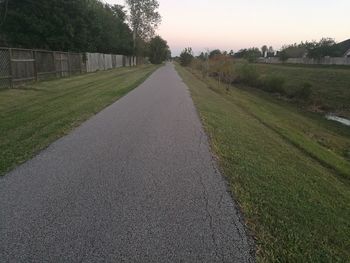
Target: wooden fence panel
x=108, y=62
x=119, y=61
x=22, y=65
x=75, y=62
x=45, y=64
x=61, y=64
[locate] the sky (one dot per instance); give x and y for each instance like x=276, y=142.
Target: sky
x=235, y=24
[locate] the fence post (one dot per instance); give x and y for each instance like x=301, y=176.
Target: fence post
x=61, y=67
x=10, y=68
x=35, y=65
x=54, y=62
x=81, y=63
x=68, y=64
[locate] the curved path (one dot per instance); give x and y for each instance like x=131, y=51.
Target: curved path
x=135, y=183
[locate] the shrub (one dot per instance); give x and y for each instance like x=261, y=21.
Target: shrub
x=247, y=74
x=273, y=84
x=186, y=57
x=305, y=92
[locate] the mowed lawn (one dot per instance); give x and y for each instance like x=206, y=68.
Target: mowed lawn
x=34, y=116
x=288, y=170
x=330, y=84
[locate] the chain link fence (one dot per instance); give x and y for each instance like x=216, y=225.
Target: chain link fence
x=5, y=74
x=21, y=65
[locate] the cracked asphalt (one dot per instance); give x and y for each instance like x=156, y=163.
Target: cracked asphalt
x=135, y=183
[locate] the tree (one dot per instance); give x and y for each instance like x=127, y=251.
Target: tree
x=144, y=19
x=292, y=51
x=79, y=25
x=325, y=47
x=264, y=50
x=250, y=54
x=158, y=50
x=283, y=55
x=214, y=53
x=186, y=57
x=202, y=56
x=270, y=52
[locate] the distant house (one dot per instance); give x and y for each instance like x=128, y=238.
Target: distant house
x=343, y=48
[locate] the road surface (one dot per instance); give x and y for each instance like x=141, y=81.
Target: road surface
x=135, y=183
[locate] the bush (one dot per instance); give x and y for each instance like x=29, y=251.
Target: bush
x=247, y=74
x=273, y=84
x=305, y=92
x=186, y=57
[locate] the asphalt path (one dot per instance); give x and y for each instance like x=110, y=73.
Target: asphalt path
x=135, y=183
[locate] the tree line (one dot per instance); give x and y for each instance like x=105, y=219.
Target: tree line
x=311, y=49
x=81, y=26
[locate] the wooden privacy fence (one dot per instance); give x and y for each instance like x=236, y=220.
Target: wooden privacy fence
x=21, y=65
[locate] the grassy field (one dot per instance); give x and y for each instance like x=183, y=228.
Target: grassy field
x=323, y=89
x=330, y=85
x=288, y=170
x=35, y=116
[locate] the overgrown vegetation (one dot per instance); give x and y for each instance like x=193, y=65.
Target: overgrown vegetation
x=186, y=57
x=34, y=117
x=288, y=170
x=321, y=89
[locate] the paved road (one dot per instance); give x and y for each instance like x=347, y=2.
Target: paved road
x=136, y=183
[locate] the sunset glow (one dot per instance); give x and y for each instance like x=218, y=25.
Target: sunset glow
x=228, y=24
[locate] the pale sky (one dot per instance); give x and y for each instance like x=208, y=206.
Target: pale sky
x=236, y=24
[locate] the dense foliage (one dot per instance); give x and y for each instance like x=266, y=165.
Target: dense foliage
x=251, y=54
x=315, y=49
x=186, y=57
x=79, y=25
x=143, y=19
x=214, y=53
x=158, y=50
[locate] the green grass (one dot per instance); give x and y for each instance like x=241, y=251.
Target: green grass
x=35, y=116
x=288, y=170
x=330, y=85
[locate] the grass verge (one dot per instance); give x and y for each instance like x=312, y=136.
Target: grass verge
x=276, y=160
x=35, y=116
